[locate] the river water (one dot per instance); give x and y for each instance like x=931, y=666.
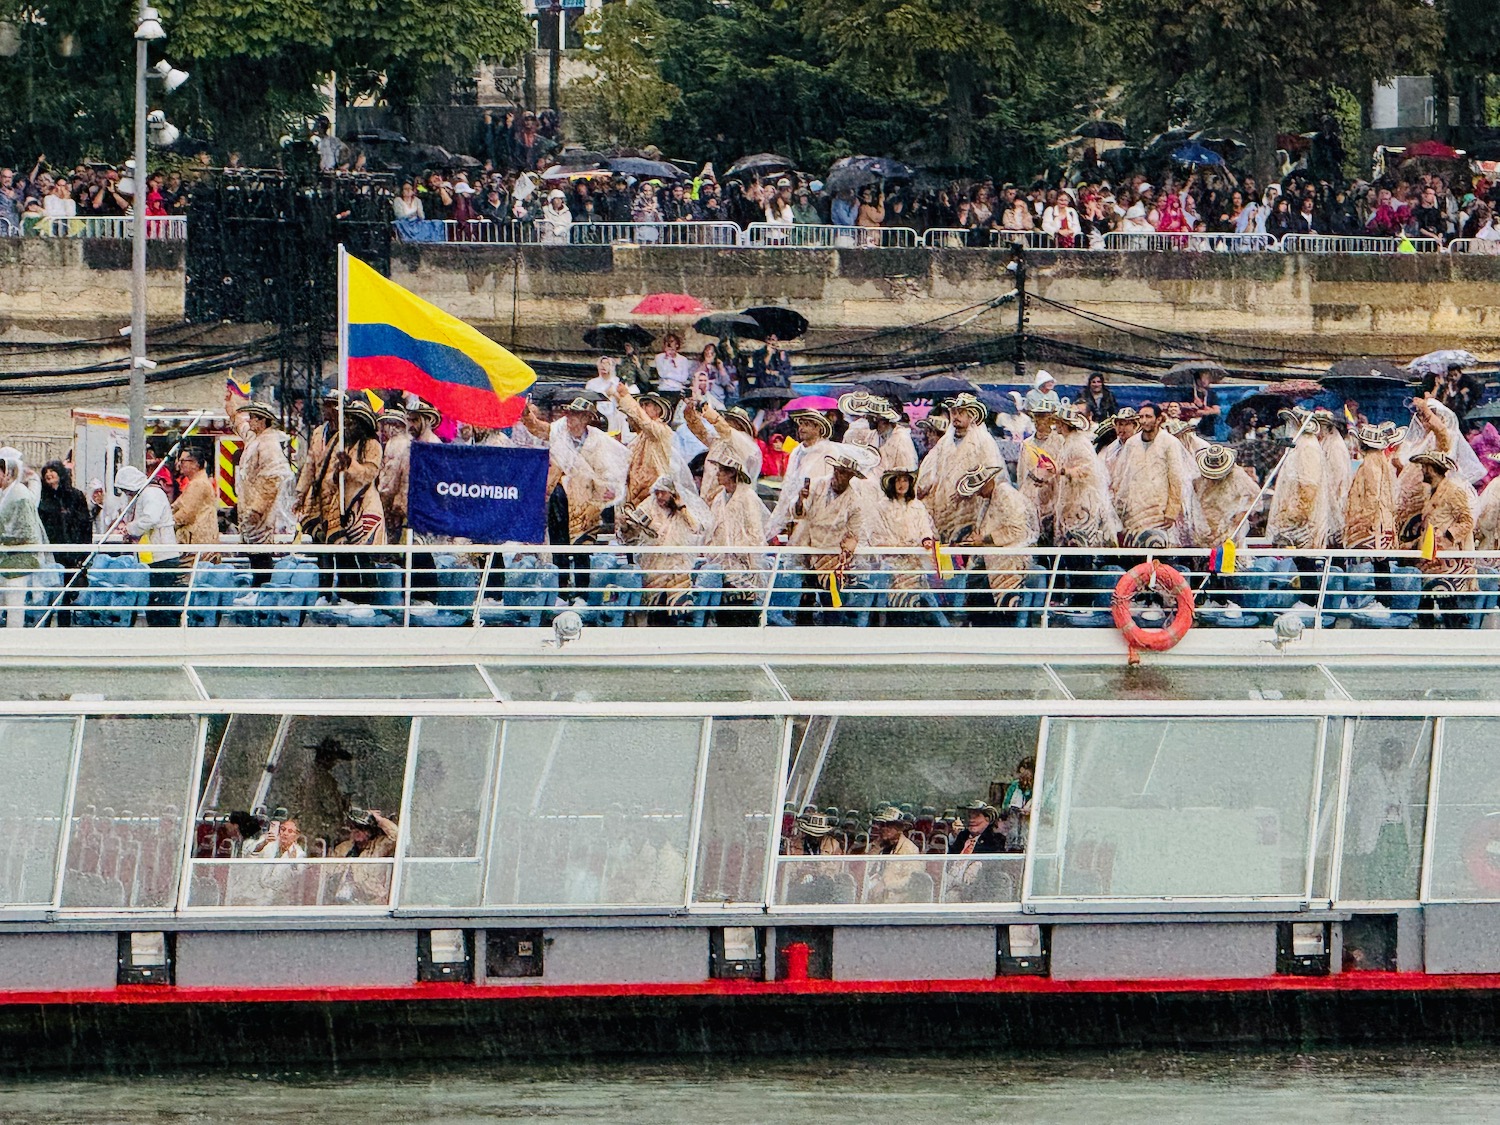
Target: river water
x=1409, y=1085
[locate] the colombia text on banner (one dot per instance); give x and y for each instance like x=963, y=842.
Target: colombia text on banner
x=396, y=339
x=478, y=492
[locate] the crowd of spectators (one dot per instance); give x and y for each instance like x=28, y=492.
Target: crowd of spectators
x=47, y=200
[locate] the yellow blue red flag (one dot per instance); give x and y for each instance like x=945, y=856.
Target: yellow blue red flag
x=395, y=339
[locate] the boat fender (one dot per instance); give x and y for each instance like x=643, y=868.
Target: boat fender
x=1158, y=578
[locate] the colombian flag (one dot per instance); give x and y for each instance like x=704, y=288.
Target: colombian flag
x=396, y=339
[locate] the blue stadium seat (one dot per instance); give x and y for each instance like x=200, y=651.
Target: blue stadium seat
x=1400, y=595
x=529, y=593
x=453, y=601
x=614, y=589
x=45, y=590
x=284, y=600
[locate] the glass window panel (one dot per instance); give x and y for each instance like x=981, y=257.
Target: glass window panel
x=125, y=845
x=36, y=756
x=1386, y=810
x=1418, y=682
x=897, y=880
x=739, y=804
x=109, y=682
x=1328, y=804
x=594, y=812
x=449, y=803
x=1148, y=808
x=326, y=765
x=282, y=883
x=611, y=683
x=903, y=681
x=453, y=681
x=1264, y=680
x=1466, y=828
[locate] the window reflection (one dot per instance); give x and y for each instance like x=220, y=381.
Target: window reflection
x=1387, y=808
x=35, y=758
x=1466, y=829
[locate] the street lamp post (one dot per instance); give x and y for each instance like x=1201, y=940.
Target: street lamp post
x=143, y=36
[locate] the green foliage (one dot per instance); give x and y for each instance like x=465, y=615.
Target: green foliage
x=1249, y=62
x=626, y=97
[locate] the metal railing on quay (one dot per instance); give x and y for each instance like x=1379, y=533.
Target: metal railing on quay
x=1198, y=242
x=161, y=228
x=655, y=234
x=817, y=237
x=458, y=585
x=1358, y=244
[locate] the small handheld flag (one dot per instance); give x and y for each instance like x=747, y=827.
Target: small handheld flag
x=1429, y=543
x=1043, y=461
x=834, y=596
x=1226, y=555
x=239, y=388
x=377, y=403
x=942, y=561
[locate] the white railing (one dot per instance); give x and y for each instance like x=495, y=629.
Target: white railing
x=1201, y=242
x=452, y=585
x=1358, y=244
x=485, y=230
x=656, y=234
x=163, y=228
x=817, y=237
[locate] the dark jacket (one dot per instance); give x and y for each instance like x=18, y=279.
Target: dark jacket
x=64, y=510
x=991, y=842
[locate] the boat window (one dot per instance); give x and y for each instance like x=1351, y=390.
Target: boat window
x=905, y=681
x=1407, y=681
x=611, y=683
x=449, y=811
x=454, y=681
x=1149, y=808
x=36, y=756
x=111, y=683
x=1324, y=828
x=1202, y=681
x=739, y=803
x=280, y=810
x=126, y=839
x=594, y=812
x=1466, y=817
x=855, y=771
x=1387, y=810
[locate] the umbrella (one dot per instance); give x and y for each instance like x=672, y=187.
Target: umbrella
x=897, y=390
x=669, y=304
x=1361, y=367
x=1101, y=130
x=1436, y=363
x=643, y=169
x=759, y=164
x=857, y=171
x=935, y=386
x=614, y=337
x=1264, y=405
x=376, y=136
x=772, y=320
x=1436, y=149
x=1295, y=388
x=813, y=402
x=728, y=324
x=1222, y=136
x=1183, y=374
x=768, y=396
x=1194, y=153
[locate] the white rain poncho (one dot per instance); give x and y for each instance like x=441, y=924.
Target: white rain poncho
x=806, y=462
x=1157, y=505
x=1083, y=511
x=683, y=521
x=1006, y=519
x=593, y=474
x=20, y=526
x=945, y=465
x=902, y=523
x=1422, y=437
x=739, y=528
x=264, y=486
x=1487, y=518
x=1338, y=474
x=1299, y=505
x=1036, y=478
x=1223, y=504
x=1370, y=509
x=722, y=440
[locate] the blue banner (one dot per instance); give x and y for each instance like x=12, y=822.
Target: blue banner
x=478, y=492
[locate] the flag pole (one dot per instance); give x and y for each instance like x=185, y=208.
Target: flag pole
x=343, y=359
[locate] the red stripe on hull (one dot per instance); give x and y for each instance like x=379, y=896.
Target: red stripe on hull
x=1040, y=986
x=466, y=404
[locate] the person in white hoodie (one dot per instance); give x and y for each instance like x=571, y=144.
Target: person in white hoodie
x=150, y=522
x=20, y=526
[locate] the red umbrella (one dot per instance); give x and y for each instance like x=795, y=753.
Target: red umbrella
x=669, y=304
x=1435, y=149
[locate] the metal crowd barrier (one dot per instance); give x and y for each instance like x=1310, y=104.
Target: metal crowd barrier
x=1193, y=241
x=164, y=228
x=1357, y=244
x=813, y=237
x=458, y=585
x=656, y=234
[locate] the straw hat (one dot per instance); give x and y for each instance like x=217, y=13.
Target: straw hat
x=967, y=403
x=1295, y=415
x=936, y=423
x=1371, y=437
x=579, y=405
x=639, y=522
x=817, y=418
x=979, y=806
x=734, y=465
x=658, y=401
x=1437, y=459
x=739, y=417
x=1176, y=426
x=260, y=410
x=855, y=402
x=816, y=824
x=1215, y=461
x=888, y=814
x=1126, y=414
x=392, y=416
x=849, y=464
x=971, y=482
x=1394, y=434
x=1072, y=417
x=891, y=474
x=665, y=484
x=358, y=408
x=427, y=410
x=1324, y=417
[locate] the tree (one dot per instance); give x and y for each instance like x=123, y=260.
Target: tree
x=625, y=98
x=1248, y=62
x=958, y=49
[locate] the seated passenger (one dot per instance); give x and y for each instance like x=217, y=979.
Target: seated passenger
x=283, y=844
x=812, y=834
x=969, y=881
x=890, y=880
x=371, y=836
x=243, y=832
x=979, y=835
x=1015, y=806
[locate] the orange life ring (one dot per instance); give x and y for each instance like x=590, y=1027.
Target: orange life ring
x=1481, y=852
x=1164, y=579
